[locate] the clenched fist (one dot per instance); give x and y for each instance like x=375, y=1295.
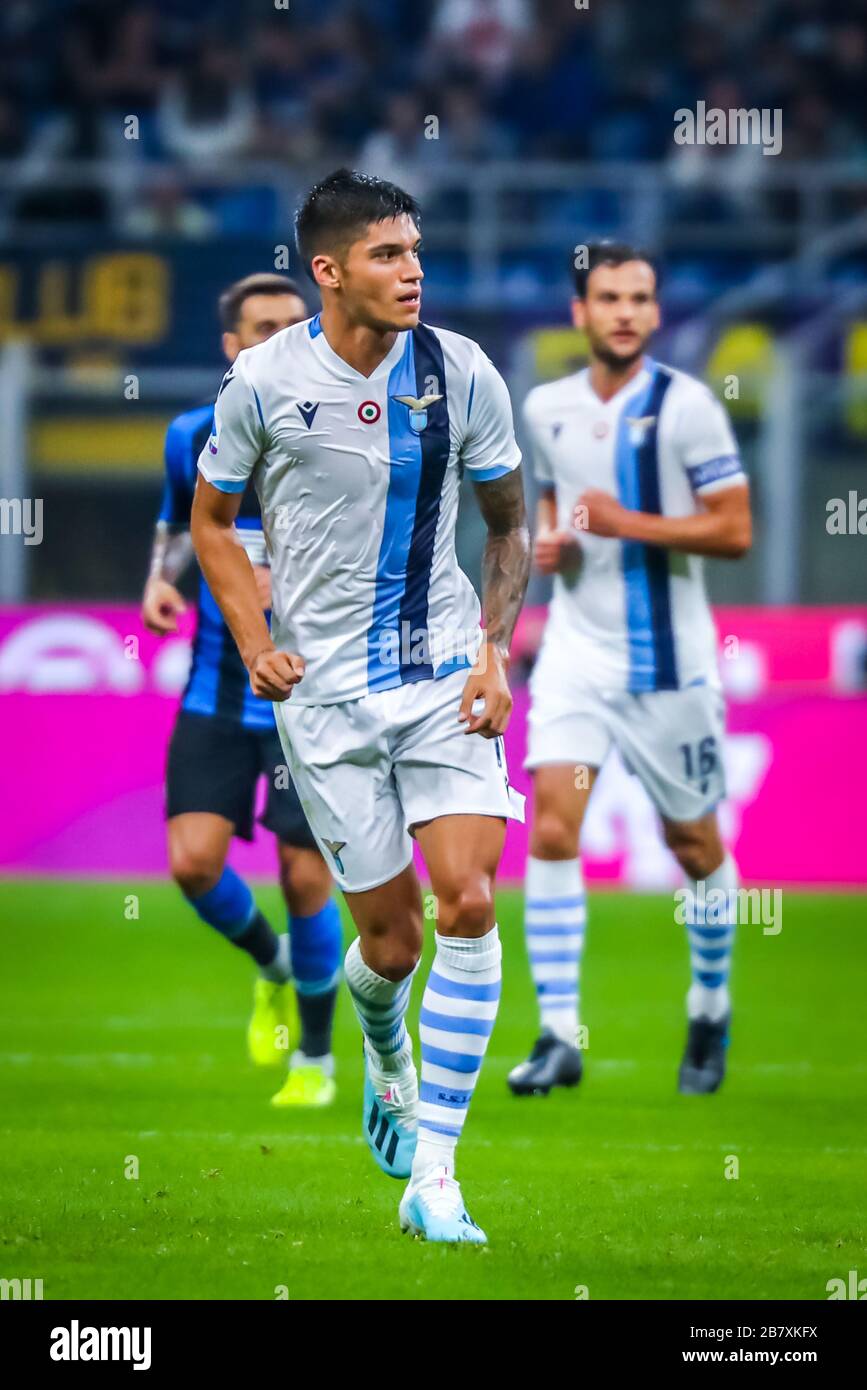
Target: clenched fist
x=273, y=674
x=556, y=552
x=161, y=606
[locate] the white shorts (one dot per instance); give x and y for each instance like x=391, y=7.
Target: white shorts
x=671, y=740
x=367, y=770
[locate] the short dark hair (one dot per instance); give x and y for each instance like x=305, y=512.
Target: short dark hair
x=606, y=253
x=336, y=211
x=267, y=282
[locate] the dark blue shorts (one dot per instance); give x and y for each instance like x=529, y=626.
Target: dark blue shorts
x=214, y=765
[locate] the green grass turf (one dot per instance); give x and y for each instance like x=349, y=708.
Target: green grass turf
x=126, y=1037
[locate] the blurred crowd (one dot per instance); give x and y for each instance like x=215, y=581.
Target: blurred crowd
x=402, y=88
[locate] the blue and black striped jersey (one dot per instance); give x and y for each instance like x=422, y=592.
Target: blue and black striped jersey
x=218, y=683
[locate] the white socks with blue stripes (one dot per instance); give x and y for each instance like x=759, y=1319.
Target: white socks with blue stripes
x=457, y=1017
x=555, y=918
x=711, y=925
x=381, y=1006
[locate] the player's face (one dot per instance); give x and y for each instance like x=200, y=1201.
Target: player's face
x=619, y=312
x=263, y=315
x=380, y=277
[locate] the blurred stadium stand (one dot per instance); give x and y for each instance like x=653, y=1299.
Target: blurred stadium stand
x=152, y=152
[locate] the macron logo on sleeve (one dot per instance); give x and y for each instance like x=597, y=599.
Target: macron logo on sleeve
x=230, y=376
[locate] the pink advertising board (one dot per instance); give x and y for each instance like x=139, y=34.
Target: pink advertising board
x=87, y=700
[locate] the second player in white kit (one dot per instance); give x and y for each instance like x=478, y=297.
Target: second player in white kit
x=627, y=622
x=640, y=477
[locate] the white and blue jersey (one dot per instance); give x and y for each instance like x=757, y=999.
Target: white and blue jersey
x=358, y=480
x=634, y=617
x=218, y=684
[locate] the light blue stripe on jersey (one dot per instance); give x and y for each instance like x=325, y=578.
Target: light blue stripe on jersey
x=639, y=618
x=223, y=484
x=448, y=668
x=489, y=475
x=383, y=638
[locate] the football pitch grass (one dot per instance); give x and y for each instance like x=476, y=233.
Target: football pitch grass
x=123, y=1046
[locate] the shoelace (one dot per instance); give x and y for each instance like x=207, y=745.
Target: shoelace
x=397, y=1103
x=442, y=1194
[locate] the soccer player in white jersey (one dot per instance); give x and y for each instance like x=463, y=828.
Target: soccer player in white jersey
x=640, y=477
x=356, y=427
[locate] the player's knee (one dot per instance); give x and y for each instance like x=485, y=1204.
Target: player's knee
x=552, y=837
x=696, y=856
x=305, y=880
x=468, y=910
x=392, y=953
x=195, y=869
x=394, y=960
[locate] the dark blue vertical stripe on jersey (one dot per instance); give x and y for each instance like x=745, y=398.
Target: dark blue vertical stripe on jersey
x=655, y=556
x=645, y=568
x=405, y=458
x=435, y=445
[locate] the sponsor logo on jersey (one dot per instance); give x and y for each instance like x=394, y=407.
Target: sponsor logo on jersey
x=369, y=412
x=307, y=410
x=418, y=409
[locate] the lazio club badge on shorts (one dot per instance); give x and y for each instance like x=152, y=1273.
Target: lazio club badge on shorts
x=418, y=409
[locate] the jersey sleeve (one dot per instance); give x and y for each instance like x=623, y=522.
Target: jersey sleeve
x=238, y=436
x=490, y=449
x=180, y=476
x=539, y=434
x=709, y=450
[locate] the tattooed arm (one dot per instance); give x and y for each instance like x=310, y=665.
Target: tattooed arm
x=505, y=570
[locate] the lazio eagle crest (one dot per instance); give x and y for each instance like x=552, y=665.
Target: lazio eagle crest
x=638, y=427
x=418, y=409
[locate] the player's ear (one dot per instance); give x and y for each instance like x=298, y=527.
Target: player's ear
x=325, y=272
x=231, y=345
x=579, y=317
